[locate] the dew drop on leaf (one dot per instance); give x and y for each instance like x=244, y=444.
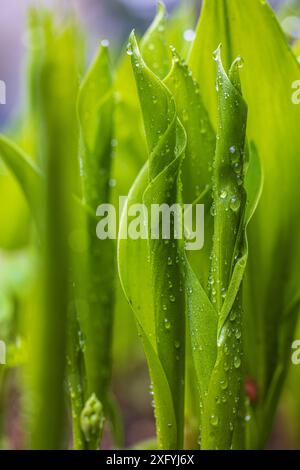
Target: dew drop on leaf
x=223, y=194
x=213, y=210
x=216, y=55
x=240, y=62
x=129, y=50
x=224, y=384
x=238, y=334
x=232, y=316
x=214, y=420
x=237, y=362
x=235, y=203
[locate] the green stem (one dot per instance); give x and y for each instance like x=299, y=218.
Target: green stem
x=56, y=90
x=221, y=408
x=75, y=372
x=95, y=112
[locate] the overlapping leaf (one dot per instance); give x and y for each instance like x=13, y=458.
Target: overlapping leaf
x=275, y=229
x=95, y=110
x=26, y=173
x=159, y=305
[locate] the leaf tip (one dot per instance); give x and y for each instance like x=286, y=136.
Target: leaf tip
x=217, y=54
x=161, y=8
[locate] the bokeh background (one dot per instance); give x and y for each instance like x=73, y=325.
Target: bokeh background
x=111, y=19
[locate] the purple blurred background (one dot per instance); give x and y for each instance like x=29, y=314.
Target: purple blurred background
x=111, y=19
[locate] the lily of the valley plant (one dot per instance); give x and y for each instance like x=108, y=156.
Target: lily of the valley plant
x=210, y=124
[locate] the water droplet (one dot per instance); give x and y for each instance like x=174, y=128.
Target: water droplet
x=235, y=203
x=189, y=35
x=238, y=334
x=213, y=210
x=129, y=50
x=237, y=362
x=223, y=194
x=105, y=43
x=185, y=115
x=214, y=420
x=112, y=183
x=232, y=150
x=224, y=384
x=216, y=55
x=239, y=180
x=170, y=261
x=172, y=298
x=177, y=344
x=237, y=168
x=232, y=316
x=167, y=324
x=240, y=62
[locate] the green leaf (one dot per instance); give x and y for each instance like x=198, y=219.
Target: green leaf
x=220, y=413
x=154, y=46
x=26, y=173
x=133, y=257
x=59, y=63
x=95, y=107
x=203, y=320
x=253, y=186
x=130, y=151
x=197, y=164
x=273, y=127
x=200, y=148
x=162, y=278
x=95, y=110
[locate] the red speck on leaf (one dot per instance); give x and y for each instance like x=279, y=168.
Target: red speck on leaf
x=251, y=389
